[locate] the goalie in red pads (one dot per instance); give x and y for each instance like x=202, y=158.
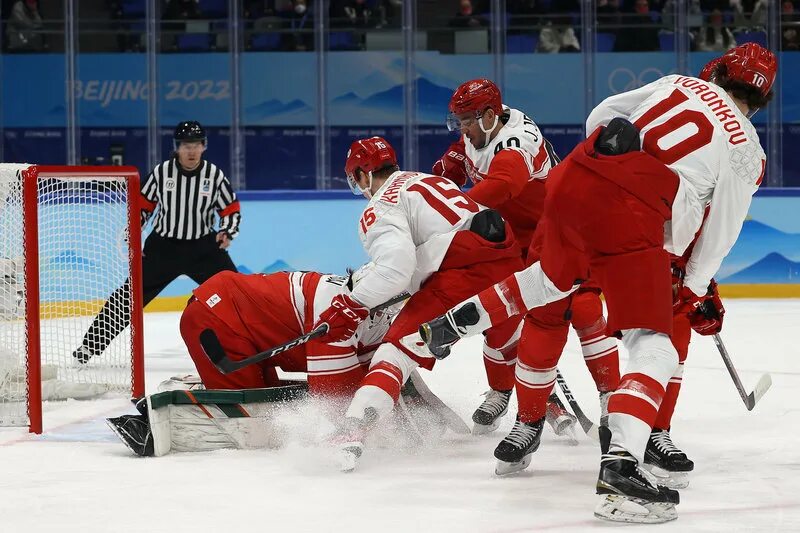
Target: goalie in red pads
x=697, y=143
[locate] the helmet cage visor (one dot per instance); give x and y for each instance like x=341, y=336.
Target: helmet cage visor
x=454, y=123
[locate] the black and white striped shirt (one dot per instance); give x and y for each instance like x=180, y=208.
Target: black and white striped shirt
x=188, y=201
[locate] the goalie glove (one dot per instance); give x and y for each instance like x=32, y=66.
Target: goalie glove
x=451, y=164
x=707, y=317
x=342, y=317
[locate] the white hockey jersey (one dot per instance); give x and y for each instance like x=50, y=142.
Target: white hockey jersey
x=406, y=230
x=695, y=128
x=520, y=133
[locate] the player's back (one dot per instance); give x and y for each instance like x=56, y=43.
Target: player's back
x=696, y=129
x=422, y=205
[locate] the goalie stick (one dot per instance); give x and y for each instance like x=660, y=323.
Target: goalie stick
x=590, y=428
x=216, y=353
x=763, y=385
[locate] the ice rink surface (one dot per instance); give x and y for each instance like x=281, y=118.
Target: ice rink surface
x=78, y=477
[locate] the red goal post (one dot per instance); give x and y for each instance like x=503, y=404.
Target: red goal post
x=76, y=230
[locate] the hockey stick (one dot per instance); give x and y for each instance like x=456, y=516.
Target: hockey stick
x=590, y=428
x=216, y=353
x=761, y=388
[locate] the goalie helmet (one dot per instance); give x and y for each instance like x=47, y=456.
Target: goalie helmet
x=368, y=155
x=475, y=97
x=189, y=131
x=753, y=65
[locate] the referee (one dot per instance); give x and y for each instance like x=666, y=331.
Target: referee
x=187, y=190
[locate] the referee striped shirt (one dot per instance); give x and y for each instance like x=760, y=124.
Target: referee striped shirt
x=188, y=201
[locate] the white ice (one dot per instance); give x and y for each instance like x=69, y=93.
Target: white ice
x=77, y=477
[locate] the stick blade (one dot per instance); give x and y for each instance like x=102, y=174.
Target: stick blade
x=214, y=350
x=760, y=390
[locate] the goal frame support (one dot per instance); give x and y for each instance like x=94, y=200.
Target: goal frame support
x=30, y=178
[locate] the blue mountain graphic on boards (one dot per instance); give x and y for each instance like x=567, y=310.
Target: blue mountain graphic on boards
x=72, y=259
x=774, y=268
x=278, y=266
x=273, y=107
x=756, y=241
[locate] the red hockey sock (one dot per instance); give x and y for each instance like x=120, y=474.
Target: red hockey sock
x=386, y=377
x=601, y=356
x=664, y=418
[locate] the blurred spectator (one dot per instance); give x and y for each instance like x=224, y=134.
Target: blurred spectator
x=558, y=35
x=24, y=25
x=465, y=18
x=639, y=33
x=389, y=13
x=790, y=31
x=296, y=17
x=351, y=14
x=749, y=14
x=715, y=37
x=554, y=39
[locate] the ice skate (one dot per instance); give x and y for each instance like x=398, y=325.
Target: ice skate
x=134, y=431
x=627, y=495
x=487, y=416
x=514, y=452
x=442, y=332
x=349, y=439
x=561, y=420
x=666, y=461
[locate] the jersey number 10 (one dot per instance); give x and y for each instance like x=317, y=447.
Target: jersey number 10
x=695, y=141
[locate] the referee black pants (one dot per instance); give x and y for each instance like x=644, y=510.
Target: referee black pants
x=163, y=260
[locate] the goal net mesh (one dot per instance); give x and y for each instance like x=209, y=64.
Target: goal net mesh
x=83, y=256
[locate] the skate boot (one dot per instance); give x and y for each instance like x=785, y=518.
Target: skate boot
x=442, y=332
x=561, y=420
x=134, y=431
x=487, y=416
x=514, y=452
x=627, y=495
x=666, y=461
x=349, y=439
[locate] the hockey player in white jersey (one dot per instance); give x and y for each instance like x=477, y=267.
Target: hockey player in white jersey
x=424, y=236
x=611, y=209
x=508, y=159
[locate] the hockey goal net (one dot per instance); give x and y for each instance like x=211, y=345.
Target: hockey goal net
x=69, y=238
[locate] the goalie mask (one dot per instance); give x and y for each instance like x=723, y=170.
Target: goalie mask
x=368, y=156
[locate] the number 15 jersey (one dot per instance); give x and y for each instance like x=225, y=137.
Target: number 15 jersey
x=406, y=230
x=695, y=128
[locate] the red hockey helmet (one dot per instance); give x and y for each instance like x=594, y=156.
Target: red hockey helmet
x=368, y=155
x=753, y=65
x=474, y=96
x=708, y=70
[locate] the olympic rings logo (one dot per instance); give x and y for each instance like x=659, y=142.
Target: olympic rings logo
x=624, y=79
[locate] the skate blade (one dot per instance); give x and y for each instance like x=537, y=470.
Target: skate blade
x=348, y=457
x=503, y=468
x=665, y=478
x=481, y=429
x=617, y=508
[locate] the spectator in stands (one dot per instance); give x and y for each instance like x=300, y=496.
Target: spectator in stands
x=24, y=26
x=389, y=13
x=351, y=14
x=715, y=37
x=790, y=31
x=694, y=18
x=296, y=15
x=466, y=18
x=558, y=35
x=639, y=33
x=749, y=14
